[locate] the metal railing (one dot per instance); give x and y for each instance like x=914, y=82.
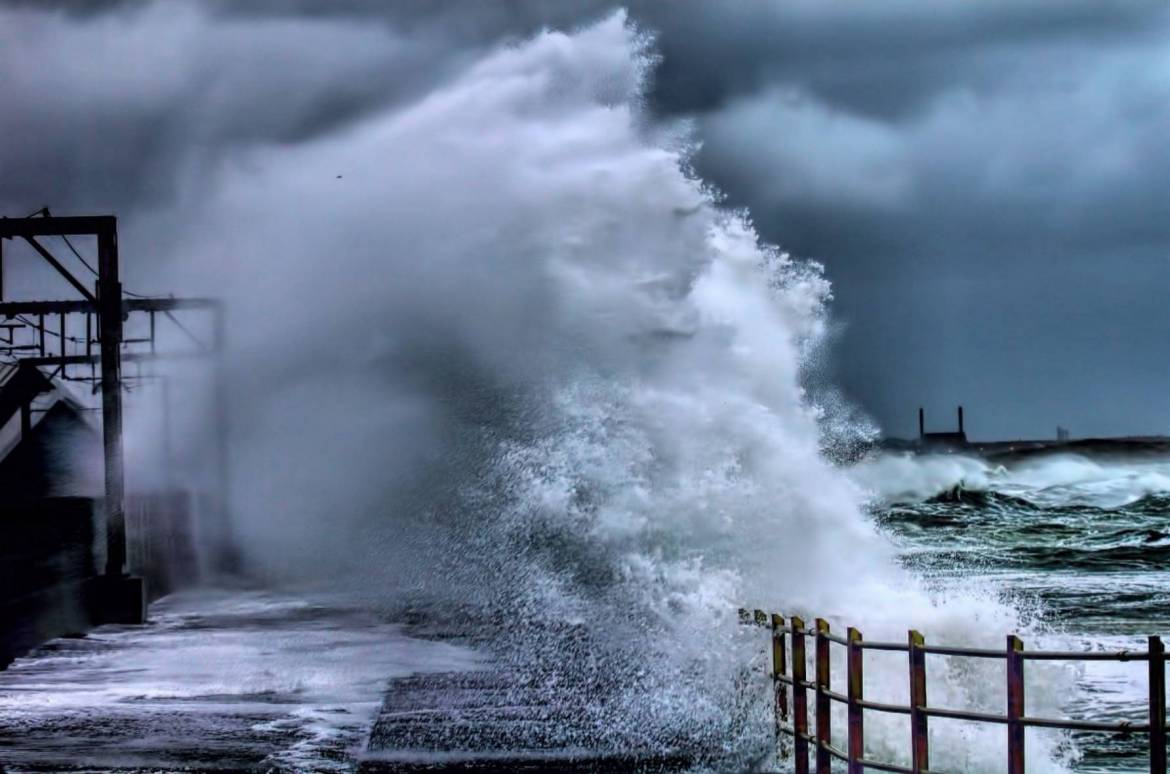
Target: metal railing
x=792, y=718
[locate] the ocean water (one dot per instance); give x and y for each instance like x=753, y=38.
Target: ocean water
x=1078, y=544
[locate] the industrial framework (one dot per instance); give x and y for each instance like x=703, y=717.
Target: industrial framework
x=98, y=354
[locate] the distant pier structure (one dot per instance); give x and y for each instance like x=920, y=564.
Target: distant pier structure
x=941, y=441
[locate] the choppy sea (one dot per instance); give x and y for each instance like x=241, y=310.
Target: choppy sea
x=1080, y=544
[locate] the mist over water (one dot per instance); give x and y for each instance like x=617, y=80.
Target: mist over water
x=497, y=352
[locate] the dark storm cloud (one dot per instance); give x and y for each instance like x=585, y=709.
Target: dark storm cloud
x=987, y=183
x=116, y=102
x=990, y=195
x=119, y=97
x=883, y=58
x=73, y=7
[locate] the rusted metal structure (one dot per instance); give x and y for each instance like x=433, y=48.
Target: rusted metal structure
x=789, y=641
x=121, y=598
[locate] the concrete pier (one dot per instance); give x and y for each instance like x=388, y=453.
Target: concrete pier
x=248, y=680
x=492, y=722
x=50, y=582
x=219, y=681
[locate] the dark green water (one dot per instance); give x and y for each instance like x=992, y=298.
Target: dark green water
x=1081, y=545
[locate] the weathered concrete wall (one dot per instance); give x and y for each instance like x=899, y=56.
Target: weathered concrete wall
x=52, y=458
x=160, y=526
x=46, y=555
x=50, y=549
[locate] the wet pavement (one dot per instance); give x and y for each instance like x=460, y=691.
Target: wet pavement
x=217, y=681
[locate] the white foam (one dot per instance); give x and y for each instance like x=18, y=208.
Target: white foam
x=1051, y=480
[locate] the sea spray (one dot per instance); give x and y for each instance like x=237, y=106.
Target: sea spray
x=501, y=350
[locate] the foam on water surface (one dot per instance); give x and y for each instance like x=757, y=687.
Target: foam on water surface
x=1079, y=542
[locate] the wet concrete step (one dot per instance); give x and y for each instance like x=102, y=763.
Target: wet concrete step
x=493, y=722
x=566, y=763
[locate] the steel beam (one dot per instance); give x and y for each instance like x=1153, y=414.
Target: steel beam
x=132, y=357
x=88, y=225
x=110, y=332
x=52, y=260
x=71, y=306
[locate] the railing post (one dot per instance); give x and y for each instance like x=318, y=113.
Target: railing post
x=919, y=730
x=1015, y=704
x=779, y=670
x=855, y=695
x=1157, y=706
x=824, y=705
x=799, y=698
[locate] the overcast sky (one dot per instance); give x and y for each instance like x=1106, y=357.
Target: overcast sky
x=987, y=184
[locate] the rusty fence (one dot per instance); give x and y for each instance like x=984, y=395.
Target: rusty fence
x=792, y=686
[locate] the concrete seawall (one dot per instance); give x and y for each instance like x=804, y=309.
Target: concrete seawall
x=49, y=558
x=46, y=557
